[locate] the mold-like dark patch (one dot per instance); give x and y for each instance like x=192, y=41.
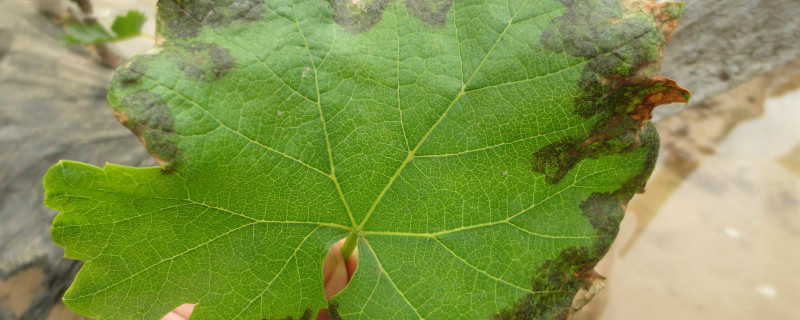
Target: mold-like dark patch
x=606, y=210
x=600, y=207
x=573, y=269
x=184, y=18
x=132, y=73
x=358, y=16
x=556, y=159
x=144, y=112
x=618, y=86
x=306, y=316
x=617, y=45
x=148, y=117
x=617, y=41
x=333, y=311
x=203, y=61
x=623, y=47
x=198, y=61
x=556, y=282
x=622, y=41
x=431, y=12
x=149, y=109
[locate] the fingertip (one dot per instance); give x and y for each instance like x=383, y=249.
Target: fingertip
x=332, y=260
x=185, y=310
x=322, y=315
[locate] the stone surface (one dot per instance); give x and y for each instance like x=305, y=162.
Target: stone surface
x=52, y=106
x=720, y=44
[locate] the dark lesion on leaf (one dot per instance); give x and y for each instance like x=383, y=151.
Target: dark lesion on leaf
x=431, y=12
x=623, y=41
x=198, y=60
x=605, y=210
x=333, y=311
x=184, y=18
x=131, y=74
x=148, y=117
x=203, y=61
x=556, y=282
x=358, y=16
x=145, y=112
x=555, y=160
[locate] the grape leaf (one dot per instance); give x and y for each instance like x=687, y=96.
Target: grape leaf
x=481, y=151
x=124, y=27
x=129, y=25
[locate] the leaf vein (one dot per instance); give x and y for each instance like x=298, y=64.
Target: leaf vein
x=251, y=53
x=380, y=266
x=324, y=123
x=195, y=103
x=269, y=285
x=483, y=272
x=441, y=118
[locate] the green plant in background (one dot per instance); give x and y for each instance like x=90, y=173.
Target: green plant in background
x=478, y=153
x=123, y=28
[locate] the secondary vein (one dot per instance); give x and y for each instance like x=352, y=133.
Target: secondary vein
x=380, y=266
x=441, y=118
x=324, y=123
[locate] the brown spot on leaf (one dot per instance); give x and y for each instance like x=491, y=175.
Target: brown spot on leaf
x=131, y=73
x=554, y=284
x=667, y=14
x=615, y=136
x=673, y=93
x=600, y=208
x=593, y=284
x=203, y=61
x=358, y=16
x=333, y=311
x=623, y=43
x=605, y=210
x=431, y=12
x=556, y=159
x=198, y=60
x=556, y=281
x=148, y=117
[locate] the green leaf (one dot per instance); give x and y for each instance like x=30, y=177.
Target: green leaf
x=124, y=27
x=129, y=25
x=480, y=152
x=86, y=33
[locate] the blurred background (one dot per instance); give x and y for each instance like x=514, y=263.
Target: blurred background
x=716, y=235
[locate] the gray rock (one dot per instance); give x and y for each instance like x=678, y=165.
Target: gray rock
x=53, y=101
x=52, y=106
x=5, y=314
x=720, y=44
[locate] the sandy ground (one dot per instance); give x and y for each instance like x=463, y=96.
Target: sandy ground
x=714, y=237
